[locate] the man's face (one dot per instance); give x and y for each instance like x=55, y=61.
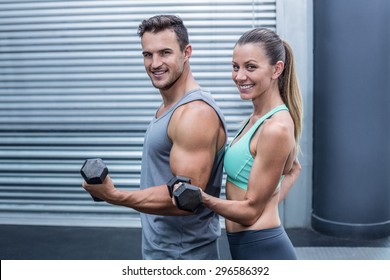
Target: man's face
x=163, y=60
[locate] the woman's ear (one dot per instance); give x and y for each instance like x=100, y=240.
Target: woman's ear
x=278, y=69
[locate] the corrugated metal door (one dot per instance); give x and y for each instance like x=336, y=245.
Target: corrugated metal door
x=73, y=86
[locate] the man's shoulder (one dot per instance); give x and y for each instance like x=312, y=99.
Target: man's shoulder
x=197, y=110
x=194, y=120
x=200, y=94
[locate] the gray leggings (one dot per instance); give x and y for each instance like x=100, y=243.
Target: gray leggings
x=266, y=244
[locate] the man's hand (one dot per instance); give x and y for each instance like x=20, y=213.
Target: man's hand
x=105, y=191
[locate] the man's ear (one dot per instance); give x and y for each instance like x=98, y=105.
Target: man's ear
x=187, y=51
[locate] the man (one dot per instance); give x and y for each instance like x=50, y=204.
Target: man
x=186, y=137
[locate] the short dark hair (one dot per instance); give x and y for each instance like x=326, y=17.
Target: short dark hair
x=160, y=23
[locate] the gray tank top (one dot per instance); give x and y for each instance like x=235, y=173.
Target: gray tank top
x=178, y=237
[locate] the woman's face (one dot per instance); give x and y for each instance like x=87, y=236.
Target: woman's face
x=252, y=72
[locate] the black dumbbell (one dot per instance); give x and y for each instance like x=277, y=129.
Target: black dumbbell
x=94, y=171
x=188, y=197
x=175, y=180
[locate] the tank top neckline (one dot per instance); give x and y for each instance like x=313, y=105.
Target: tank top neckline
x=174, y=106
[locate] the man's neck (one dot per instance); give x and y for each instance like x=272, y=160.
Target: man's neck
x=184, y=84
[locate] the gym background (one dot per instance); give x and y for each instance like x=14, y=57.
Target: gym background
x=73, y=86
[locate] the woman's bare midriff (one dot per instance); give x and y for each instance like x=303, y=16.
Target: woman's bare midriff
x=268, y=219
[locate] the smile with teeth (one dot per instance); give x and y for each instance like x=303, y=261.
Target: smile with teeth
x=158, y=73
x=246, y=86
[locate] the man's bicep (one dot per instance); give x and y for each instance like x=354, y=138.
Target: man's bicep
x=194, y=144
x=193, y=163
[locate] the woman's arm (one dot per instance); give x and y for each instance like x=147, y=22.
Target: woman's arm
x=274, y=145
x=289, y=180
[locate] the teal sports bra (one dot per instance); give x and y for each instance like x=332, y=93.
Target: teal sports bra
x=238, y=159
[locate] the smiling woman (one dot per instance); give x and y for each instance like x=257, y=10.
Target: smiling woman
x=253, y=74
x=264, y=151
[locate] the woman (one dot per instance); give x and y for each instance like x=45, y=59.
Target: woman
x=263, y=151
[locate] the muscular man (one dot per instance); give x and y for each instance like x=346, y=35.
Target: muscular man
x=186, y=137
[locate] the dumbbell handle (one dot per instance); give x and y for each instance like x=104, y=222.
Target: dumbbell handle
x=175, y=180
x=96, y=199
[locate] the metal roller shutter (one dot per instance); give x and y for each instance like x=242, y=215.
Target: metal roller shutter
x=73, y=86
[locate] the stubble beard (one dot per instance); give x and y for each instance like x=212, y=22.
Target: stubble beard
x=170, y=82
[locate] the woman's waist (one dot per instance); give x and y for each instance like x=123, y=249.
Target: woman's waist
x=265, y=221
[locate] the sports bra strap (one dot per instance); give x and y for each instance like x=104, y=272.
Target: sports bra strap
x=268, y=115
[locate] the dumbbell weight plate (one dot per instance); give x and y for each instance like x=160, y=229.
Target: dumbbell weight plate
x=94, y=171
x=187, y=197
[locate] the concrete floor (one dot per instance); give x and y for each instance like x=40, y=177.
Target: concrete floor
x=20, y=242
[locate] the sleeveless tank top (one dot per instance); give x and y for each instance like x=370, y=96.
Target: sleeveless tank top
x=238, y=158
x=177, y=237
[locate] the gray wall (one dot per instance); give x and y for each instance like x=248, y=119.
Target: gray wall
x=72, y=86
x=295, y=24
x=351, y=195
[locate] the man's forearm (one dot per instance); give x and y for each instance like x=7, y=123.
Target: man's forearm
x=153, y=200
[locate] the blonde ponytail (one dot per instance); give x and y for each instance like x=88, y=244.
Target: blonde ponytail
x=289, y=90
